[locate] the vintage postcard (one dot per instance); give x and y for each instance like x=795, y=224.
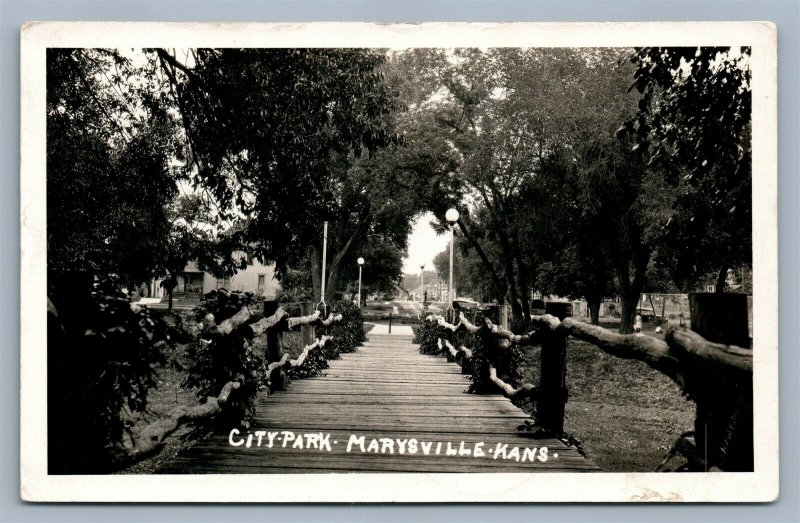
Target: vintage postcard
x=444, y=262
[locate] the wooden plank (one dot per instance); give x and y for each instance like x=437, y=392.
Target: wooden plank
x=343, y=435
x=389, y=423
x=335, y=399
x=407, y=409
x=368, y=462
x=436, y=459
x=346, y=388
x=316, y=467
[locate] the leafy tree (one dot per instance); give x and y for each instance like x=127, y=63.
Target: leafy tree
x=506, y=112
x=296, y=285
x=102, y=359
x=694, y=122
x=109, y=177
x=320, y=115
x=382, y=270
x=575, y=262
x=110, y=180
x=191, y=238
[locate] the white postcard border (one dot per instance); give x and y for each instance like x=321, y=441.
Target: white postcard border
x=37, y=485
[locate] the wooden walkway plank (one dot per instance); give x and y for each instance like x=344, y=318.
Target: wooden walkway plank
x=362, y=414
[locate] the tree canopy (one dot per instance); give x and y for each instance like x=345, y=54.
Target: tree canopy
x=109, y=176
x=581, y=172
x=694, y=123
x=287, y=138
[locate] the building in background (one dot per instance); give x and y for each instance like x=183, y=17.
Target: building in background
x=194, y=283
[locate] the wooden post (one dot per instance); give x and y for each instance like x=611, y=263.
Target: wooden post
x=504, y=316
x=274, y=345
x=724, y=418
x=308, y=332
x=550, y=407
x=721, y=317
x=466, y=368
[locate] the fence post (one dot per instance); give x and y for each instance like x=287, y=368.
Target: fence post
x=552, y=384
x=274, y=345
x=504, y=316
x=724, y=417
x=308, y=332
x=721, y=317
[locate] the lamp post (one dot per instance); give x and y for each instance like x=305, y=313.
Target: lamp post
x=360, y=264
x=452, y=217
x=422, y=284
x=324, y=268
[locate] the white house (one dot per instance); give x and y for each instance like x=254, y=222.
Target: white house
x=256, y=278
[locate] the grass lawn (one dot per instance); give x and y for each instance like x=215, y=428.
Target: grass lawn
x=626, y=414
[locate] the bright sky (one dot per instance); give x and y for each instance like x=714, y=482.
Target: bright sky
x=423, y=245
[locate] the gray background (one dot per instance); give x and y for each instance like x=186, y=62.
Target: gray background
x=13, y=13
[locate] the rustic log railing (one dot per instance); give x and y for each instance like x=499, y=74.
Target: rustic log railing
x=717, y=377
x=151, y=439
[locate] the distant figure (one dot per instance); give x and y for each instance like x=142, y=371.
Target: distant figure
x=637, y=324
x=659, y=330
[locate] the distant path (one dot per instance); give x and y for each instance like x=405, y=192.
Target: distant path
x=385, y=390
x=382, y=329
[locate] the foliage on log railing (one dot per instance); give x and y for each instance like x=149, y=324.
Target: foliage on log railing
x=233, y=340
x=286, y=363
x=348, y=333
x=717, y=377
x=485, y=351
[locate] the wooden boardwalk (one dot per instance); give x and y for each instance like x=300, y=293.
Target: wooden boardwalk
x=385, y=390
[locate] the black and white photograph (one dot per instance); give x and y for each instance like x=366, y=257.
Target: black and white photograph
x=442, y=262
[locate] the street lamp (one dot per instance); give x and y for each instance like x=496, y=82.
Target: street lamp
x=422, y=283
x=452, y=217
x=360, y=264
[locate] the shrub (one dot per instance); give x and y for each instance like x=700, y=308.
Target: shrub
x=223, y=304
x=103, y=353
x=315, y=362
x=485, y=352
x=216, y=359
x=427, y=335
x=348, y=333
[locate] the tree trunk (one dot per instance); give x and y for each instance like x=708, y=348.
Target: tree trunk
x=653, y=306
x=722, y=276
x=593, y=302
x=316, y=272
x=497, y=283
x=334, y=268
x=522, y=278
x=511, y=284
x=631, y=259
x=629, y=302
x=169, y=298
x=332, y=281
x=630, y=291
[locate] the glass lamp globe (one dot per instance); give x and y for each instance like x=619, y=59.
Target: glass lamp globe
x=451, y=215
